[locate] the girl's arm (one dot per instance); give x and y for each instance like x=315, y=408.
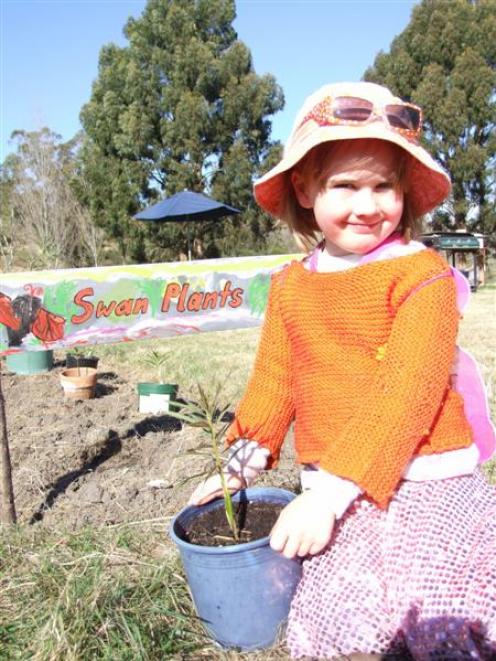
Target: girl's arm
x=246, y=460
x=335, y=490
x=264, y=413
x=405, y=396
x=266, y=409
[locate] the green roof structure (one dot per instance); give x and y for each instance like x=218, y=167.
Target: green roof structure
x=452, y=241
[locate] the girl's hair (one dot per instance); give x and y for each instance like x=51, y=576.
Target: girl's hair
x=315, y=165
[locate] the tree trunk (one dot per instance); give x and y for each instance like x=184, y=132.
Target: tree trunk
x=7, y=512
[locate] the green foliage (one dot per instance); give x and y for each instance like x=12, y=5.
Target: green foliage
x=43, y=224
x=158, y=360
x=445, y=61
x=79, y=351
x=7, y=223
x=179, y=108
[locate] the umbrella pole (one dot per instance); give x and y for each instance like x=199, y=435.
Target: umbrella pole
x=188, y=232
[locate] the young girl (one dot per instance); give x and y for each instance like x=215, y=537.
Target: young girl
x=396, y=523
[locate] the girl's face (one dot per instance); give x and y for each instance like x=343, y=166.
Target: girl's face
x=356, y=206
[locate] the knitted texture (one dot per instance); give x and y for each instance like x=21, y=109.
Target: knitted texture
x=415, y=581
x=360, y=359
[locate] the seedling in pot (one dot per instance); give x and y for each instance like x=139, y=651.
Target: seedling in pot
x=208, y=414
x=79, y=353
x=158, y=361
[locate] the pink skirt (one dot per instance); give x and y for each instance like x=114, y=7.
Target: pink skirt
x=417, y=581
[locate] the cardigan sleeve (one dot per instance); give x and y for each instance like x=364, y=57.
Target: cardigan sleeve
x=405, y=395
x=266, y=409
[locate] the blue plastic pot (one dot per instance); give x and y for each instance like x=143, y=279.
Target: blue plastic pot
x=30, y=362
x=241, y=592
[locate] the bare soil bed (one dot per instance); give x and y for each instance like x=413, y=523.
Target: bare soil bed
x=100, y=462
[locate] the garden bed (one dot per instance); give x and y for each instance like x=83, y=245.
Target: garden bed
x=97, y=462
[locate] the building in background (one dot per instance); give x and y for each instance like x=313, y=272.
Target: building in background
x=465, y=251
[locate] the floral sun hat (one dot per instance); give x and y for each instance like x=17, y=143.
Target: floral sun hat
x=350, y=111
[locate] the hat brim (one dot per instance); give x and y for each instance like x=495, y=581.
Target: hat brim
x=428, y=186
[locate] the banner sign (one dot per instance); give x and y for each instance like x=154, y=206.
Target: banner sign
x=73, y=307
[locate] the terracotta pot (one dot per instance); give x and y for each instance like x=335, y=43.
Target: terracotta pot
x=79, y=382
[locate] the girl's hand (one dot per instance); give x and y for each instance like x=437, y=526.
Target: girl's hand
x=212, y=488
x=304, y=527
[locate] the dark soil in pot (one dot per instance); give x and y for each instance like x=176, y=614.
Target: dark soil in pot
x=210, y=528
x=72, y=360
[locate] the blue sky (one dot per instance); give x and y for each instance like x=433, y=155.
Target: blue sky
x=49, y=51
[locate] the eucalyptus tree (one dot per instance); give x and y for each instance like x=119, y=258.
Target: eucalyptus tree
x=179, y=107
x=43, y=225
x=445, y=61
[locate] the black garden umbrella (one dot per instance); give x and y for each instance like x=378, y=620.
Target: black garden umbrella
x=185, y=207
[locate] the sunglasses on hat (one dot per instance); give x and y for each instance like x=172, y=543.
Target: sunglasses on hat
x=405, y=118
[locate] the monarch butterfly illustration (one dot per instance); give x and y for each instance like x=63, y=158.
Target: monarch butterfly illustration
x=25, y=314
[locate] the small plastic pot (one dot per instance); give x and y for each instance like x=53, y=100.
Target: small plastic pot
x=79, y=382
x=241, y=592
x=156, y=397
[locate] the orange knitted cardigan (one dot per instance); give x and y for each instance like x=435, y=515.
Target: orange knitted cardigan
x=360, y=360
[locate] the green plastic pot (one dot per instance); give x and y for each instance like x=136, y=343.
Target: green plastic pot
x=156, y=397
x=30, y=362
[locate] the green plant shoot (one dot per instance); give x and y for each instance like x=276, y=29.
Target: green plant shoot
x=80, y=352
x=157, y=360
x=208, y=414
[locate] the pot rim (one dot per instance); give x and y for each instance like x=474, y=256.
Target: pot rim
x=155, y=388
x=269, y=494
x=89, y=372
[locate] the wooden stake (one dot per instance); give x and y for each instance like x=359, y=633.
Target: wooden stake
x=7, y=512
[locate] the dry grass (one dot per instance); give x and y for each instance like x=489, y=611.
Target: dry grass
x=478, y=336
x=224, y=356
